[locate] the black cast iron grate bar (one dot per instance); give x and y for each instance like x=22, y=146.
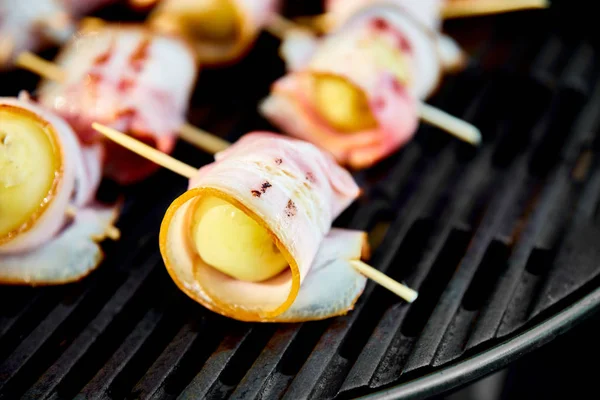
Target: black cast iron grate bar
x=374, y=351
x=98, y=387
x=257, y=382
x=208, y=377
x=578, y=252
x=8, y=322
x=422, y=357
x=165, y=365
x=432, y=334
x=58, y=371
x=491, y=314
x=557, y=189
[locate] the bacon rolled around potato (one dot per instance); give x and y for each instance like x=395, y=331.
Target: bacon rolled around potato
x=221, y=31
x=44, y=172
x=290, y=190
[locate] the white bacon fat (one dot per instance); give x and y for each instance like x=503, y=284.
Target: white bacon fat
x=251, y=16
x=47, y=251
x=130, y=79
x=350, y=53
x=426, y=12
x=293, y=190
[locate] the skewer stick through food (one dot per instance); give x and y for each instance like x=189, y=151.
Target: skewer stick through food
x=143, y=3
x=7, y=45
x=201, y=139
x=280, y=26
x=146, y=151
x=471, y=8
x=189, y=172
x=44, y=68
x=456, y=126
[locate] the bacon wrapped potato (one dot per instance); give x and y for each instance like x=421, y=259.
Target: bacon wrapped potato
x=251, y=238
x=45, y=173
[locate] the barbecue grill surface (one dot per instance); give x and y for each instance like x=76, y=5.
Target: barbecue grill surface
x=501, y=243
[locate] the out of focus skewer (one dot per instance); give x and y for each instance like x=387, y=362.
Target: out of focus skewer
x=466, y=8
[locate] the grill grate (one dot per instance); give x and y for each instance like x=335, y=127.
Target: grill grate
x=496, y=240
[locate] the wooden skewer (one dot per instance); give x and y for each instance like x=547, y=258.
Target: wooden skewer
x=203, y=140
x=90, y=23
x=112, y=232
x=465, y=8
x=7, y=45
x=455, y=126
x=393, y=286
x=166, y=161
x=317, y=23
x=47, y=69
x=279, y=26
x=142, y=3
x=146, y=151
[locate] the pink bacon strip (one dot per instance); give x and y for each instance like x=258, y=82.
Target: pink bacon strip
x=347, y=54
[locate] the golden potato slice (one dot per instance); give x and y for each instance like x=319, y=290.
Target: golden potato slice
x=30, y=166
x=391, y=59
x=213, y=20
x=341, y=104
x=232, y=242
